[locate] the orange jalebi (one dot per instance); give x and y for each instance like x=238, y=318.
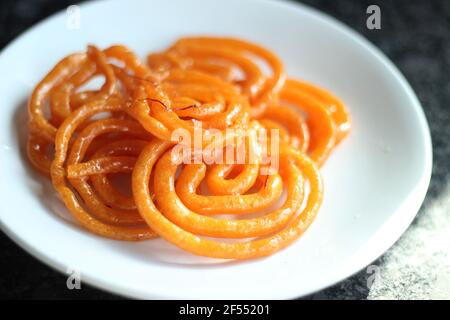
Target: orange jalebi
x=173, y=147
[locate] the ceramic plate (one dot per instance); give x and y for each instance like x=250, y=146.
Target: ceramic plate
x=375, y=181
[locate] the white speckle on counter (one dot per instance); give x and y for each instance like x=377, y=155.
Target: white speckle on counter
x=418, y=266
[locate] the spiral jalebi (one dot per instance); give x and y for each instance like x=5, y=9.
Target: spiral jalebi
x=137, y=156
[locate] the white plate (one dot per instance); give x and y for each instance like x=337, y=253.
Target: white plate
x=374, y=182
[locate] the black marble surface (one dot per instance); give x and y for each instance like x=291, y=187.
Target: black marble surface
x=415, y=35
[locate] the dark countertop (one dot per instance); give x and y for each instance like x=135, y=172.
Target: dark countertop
x=415, y=35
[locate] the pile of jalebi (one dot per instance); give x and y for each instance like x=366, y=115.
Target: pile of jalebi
x=217, y=90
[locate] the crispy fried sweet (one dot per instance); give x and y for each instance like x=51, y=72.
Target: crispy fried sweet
x=207, y=145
